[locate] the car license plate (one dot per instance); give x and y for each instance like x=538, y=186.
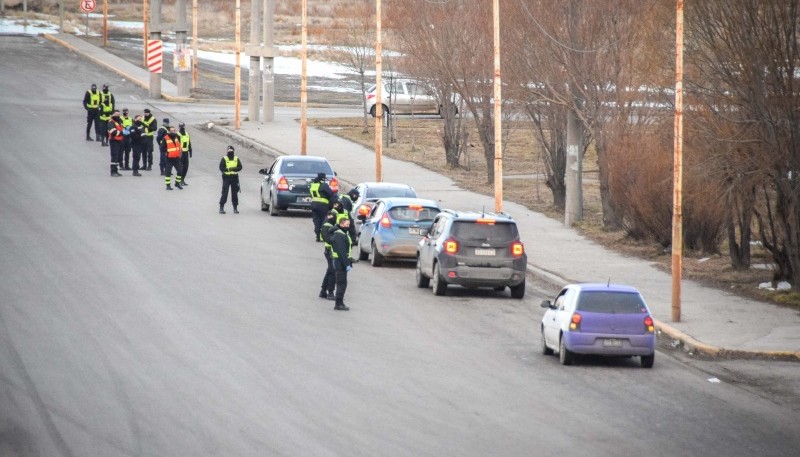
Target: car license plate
x=304, y=199
x=612, y=342
x=413, y=230
x=484, y=252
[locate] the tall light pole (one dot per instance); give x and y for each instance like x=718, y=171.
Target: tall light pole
x=303, y=87
x=498, y=128
x=146, y=22
x=677, y=170
x=378, y=94
x=195, y=45
x=237, y=92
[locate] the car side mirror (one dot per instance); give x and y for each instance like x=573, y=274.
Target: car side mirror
x=546, y=304
x=361, y=217
x=263, y=171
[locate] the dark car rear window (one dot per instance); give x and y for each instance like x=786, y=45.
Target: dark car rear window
x=385, y=192
x=306, y=167
x=611, y=302
x=404, y=213
x=472, y=230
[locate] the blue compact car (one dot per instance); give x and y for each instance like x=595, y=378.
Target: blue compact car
x=394, y=227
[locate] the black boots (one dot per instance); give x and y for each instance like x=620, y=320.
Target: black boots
x=114, y=172
x=331, y=296
x=222, y=209
x=323, y=293
x=340, y=306
x=136, y=173
x=235, y=210
x=169, y=187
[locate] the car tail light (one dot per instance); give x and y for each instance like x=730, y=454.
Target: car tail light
x=415, y=207
x=517, y=249
x=575, y=322
x=648, y=324
x=363, y=210
x=370, y=96
x=451, y=246
x=334, y=184
x=486, y=221
x=283, y=184
x=386, y=222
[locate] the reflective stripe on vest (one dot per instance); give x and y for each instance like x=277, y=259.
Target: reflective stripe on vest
x=184, y=142
x=315, y=196
x=94, y=99
x=147, y=123
x=126, y=121
x=349, y=245
x=326, y=226
x=107, y=107
x=173, y=147
x=230, y=164
x=340, y=216
x=115, y=133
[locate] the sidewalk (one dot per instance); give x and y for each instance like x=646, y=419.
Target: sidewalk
x=712, y=321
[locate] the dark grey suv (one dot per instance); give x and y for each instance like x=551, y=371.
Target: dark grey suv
x=472, y=249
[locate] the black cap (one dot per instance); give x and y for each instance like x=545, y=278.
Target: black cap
x=165, y=121
x=105, y=86
x=230, y=148
x=354, y=192
x=125, y=110
x=94, y=86
x=181, y=125
x=147, y=110
x=320, y=175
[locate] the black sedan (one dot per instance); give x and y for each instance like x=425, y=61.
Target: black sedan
x=286, y=182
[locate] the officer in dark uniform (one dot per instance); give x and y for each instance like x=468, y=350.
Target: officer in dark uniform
x=107, y=108
x=162, y=147
x=150, y=127
x=345, y=207
x=137, y=139
x=230, y=166
x=186, y=150
x=127, y=122
x=115, y=142
x=172, y=148
x=329, y=280
x=321, y=197
x=341, y=245
x=91, y=102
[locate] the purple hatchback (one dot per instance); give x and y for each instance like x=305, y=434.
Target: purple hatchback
x=602, y=319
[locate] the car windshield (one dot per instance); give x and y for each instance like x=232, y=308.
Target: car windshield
x=306, y=167
x=386, y=192
x=611, y=302
x=472, y=230
x=413, y=214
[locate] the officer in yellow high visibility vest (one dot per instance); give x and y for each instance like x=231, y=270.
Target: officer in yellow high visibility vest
x=230, y=166
x=91, y=102
x=186, y=151
x=321, y=197
x=150, y=126
x=341, y=246
x=329, y=280
x=107, y=105
x=127, y=122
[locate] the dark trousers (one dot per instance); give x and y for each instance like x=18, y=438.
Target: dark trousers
x=174, y=162
x=162, y=159
x=329, y=280
x=116, y=154
x=147, y=155
x=232, y=183
x=93, y=117
x=138, y=150
x=126, y=151
x=318, y=211
x=184, y=165
x=104, y=129
x=340, y=267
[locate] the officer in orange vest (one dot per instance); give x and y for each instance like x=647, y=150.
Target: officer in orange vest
x=172, y=144
x=115, y=142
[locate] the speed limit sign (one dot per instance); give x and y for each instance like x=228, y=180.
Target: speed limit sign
x=87, y=6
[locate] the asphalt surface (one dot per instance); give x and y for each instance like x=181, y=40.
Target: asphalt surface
x=135, y=321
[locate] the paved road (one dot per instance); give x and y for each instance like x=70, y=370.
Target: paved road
x=139, y=322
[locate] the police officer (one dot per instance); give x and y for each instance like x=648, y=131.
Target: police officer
x=91, y=102
x=345, y=207
x=115, y=141
x=186, y=151
x=137, y=140
x=340, y=246
x=107, y=105
x=150, y=127
x=163, y=131
x=172, y=146
x=127, y=122
x=321, y=198
x=230, y=166
x=329, y=280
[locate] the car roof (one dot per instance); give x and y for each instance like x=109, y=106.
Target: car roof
x=605, y=287
x=405, y=201
x=384, y=185
x=475, y=215
x=306, y=158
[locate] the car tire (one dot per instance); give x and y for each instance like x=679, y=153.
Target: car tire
x=264, y=206
x=376, y=258
x=564, y=356
x=648, y=360
x=439, y=284
x=422, y=281
x=518, y=291
x=545, y=350
x=273, y=207
x=362, y=255
x=374, y=110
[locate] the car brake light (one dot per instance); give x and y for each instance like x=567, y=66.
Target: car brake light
x=416, y=207
x=363, y=210
x=386, y=222
x=575, y=322
x=451, y=246
x=283, y=184
x=486, y=220
x=334, y=184
x=517, y=248
x=370, y=96
x=648, y=324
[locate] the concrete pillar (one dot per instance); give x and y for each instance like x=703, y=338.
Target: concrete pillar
x=183, y=78
x=155, y=35
x=269, y=61
x=255, y=62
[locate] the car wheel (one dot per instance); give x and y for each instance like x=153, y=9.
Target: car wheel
x=376, y=258
x=564, y=356
x=264, y=206
x=372, y=111
x=422, y=281
x=518, y=291
x=362, y=255
x=545, y=350
x=439, y=285
x=648, y=360
x=273, y=207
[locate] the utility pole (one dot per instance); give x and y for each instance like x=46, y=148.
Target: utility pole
x=195, y=45
x=255, y=61
x=378, y=93
x=677, y=170
x=268, y=53
x=303, y=82
x=105, y=23
x=237, y=87
x=61, y=16
x=155, y=35
x=573, y=211
x=182, y=75
x=145, y=22
x=498, y=126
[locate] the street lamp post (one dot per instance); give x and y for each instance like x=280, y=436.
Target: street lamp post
x=498, y=129
x=677, y=171
x=378, y=93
